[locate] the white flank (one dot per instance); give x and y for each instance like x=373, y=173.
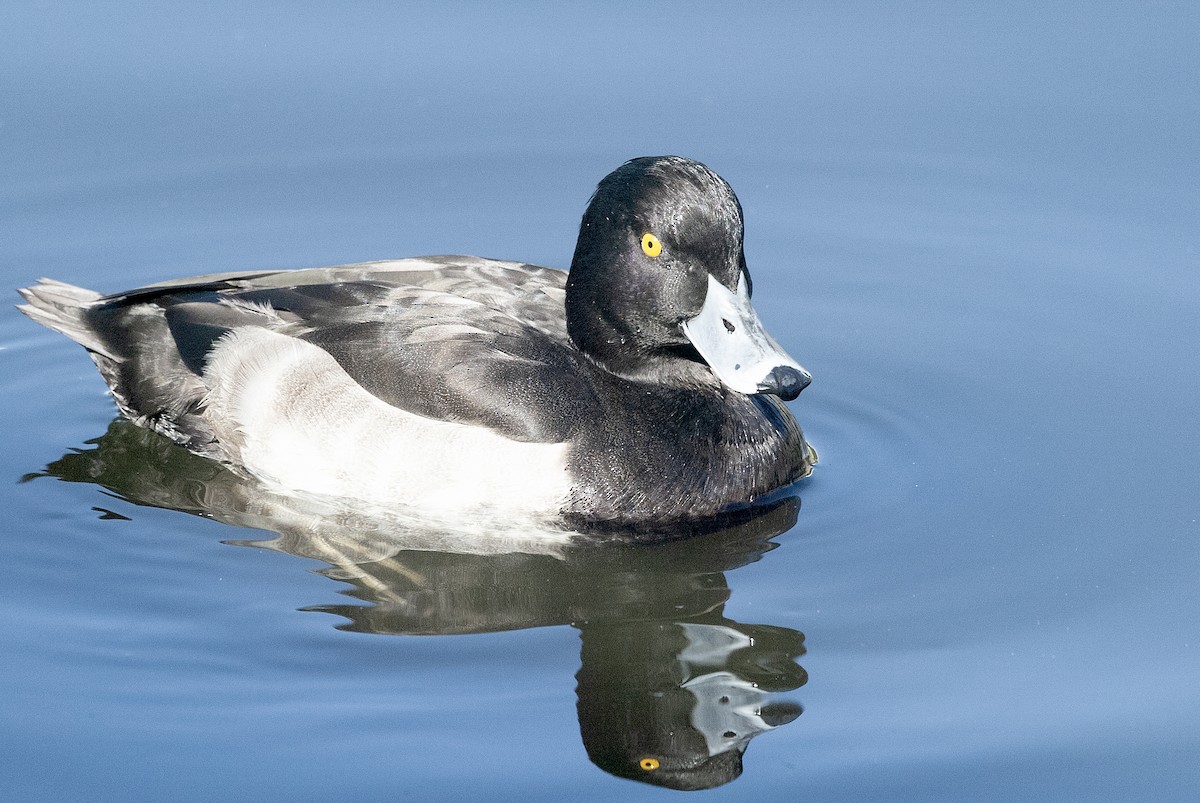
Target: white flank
x=306, y=425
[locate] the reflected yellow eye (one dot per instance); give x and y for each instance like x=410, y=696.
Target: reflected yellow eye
x=653, y=248
x=648, y=764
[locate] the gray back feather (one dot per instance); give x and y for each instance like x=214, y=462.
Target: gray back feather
x=454, y=338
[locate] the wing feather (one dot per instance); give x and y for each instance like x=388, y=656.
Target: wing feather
x=452, y=338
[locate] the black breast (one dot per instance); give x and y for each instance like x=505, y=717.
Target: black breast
x=663, y=454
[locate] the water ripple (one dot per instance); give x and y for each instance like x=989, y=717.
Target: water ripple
x=871, y=448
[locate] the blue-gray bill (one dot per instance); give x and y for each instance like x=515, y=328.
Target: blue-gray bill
x=732, y=340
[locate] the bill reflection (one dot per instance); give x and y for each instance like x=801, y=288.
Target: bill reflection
x=669, y=691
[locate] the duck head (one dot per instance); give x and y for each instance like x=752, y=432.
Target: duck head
x=659, y=290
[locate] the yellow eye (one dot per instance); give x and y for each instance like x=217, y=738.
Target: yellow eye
x=653, y=248
x=648, y=764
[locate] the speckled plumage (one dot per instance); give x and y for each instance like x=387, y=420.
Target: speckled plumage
x=347, y=380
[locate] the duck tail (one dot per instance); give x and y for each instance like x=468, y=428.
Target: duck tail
x=64, y=308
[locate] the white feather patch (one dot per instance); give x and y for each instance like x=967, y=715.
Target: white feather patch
x=444, y=331
x=305, y=424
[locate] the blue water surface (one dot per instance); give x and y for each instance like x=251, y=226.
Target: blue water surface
x=977, y=225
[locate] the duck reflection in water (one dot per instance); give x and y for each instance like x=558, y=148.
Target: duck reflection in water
x=670, y=691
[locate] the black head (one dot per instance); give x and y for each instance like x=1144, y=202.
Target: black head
x=657, y=234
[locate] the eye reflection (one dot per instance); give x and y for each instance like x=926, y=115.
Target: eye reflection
x=669, y=691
